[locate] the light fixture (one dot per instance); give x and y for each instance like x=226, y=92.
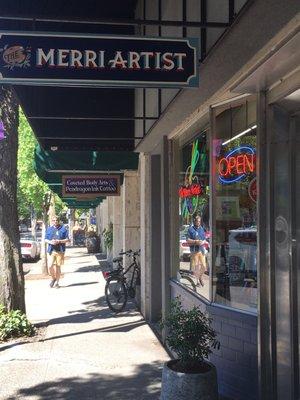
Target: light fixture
x=239, y=134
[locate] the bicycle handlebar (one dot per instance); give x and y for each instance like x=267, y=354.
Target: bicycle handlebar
x=125, y=252
x=130, y=252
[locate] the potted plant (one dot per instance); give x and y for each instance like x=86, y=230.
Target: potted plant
x=92, y=241
x=108, y=237
x=190, y=336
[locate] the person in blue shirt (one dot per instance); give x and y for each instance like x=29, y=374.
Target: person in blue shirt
x=196, y=240
x=56, y=236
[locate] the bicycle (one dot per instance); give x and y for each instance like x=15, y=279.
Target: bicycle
x=117, y=289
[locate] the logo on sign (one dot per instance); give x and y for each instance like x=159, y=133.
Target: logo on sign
x=237, y=165
x=16, y=56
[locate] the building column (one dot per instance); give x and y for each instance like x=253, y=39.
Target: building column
x=99, y=219
x=165, y=229
x=131, y=211
x=104, y=214
x=155, y=269
x=146, y=261
x=117, y=225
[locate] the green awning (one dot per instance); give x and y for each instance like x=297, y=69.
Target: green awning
x=51, y=165
x=72, y=203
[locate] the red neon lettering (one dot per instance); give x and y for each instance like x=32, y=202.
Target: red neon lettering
x=240, y=164
x=190, y=191
x=249, y=162
x=223, y=169
x=231, y=164
x=237, y=165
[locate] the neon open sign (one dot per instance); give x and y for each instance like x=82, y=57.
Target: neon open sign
x=237, y=164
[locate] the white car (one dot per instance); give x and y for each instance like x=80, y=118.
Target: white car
x=30, y=247
x=23, y=228
x=184, y=248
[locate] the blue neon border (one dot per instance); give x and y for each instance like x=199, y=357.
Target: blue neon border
x=239, y=178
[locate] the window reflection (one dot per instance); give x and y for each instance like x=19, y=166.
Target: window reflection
x=234, y=152
x=193, y=268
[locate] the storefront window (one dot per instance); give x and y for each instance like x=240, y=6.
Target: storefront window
x=194, y=235
x=235, y=211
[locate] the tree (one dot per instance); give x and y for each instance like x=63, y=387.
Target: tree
x=31, y=189
x=11, y=274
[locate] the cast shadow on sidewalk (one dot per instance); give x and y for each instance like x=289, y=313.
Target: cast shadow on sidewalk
x=126, y=327
x=80, y=284
x=142, y=384
x=95, y=309
x=90, y=268
x=113, y=328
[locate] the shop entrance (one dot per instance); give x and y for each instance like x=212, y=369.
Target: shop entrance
x=280, y=258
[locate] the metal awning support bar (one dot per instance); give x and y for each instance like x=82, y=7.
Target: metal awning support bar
x=94, y=118
x=87, y=138
x=124, y=22
x=83, y=171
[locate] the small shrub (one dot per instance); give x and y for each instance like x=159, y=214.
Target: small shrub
x=108, y=236
x=14, y=324
x=190, y=336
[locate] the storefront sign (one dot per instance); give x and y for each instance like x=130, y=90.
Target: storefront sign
x=237, y=164
x=252, y=190
x=83, y=60
x=85, y=186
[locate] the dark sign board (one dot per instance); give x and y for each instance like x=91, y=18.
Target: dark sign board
x=90, y=186
x=85, y=60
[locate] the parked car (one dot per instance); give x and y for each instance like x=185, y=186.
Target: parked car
x=184, y=248
x=30, y=247
x=23, y=228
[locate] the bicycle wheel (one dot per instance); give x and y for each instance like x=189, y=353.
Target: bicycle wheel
x=116, y=294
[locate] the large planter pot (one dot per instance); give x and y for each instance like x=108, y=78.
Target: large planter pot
x=183, y=386
x=92, y=244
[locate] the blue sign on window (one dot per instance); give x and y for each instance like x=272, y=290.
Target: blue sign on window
x=92, y=60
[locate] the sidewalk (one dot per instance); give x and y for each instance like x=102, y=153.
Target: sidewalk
x=85, y=352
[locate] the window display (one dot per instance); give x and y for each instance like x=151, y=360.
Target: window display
x=194, y=234
x=234, y=202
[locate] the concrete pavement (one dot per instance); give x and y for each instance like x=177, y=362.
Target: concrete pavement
x=85, y=352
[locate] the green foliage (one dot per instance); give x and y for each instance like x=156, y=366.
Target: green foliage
x=31, y=189
x=108, y=236
x=189, y=334
x=14, y=324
